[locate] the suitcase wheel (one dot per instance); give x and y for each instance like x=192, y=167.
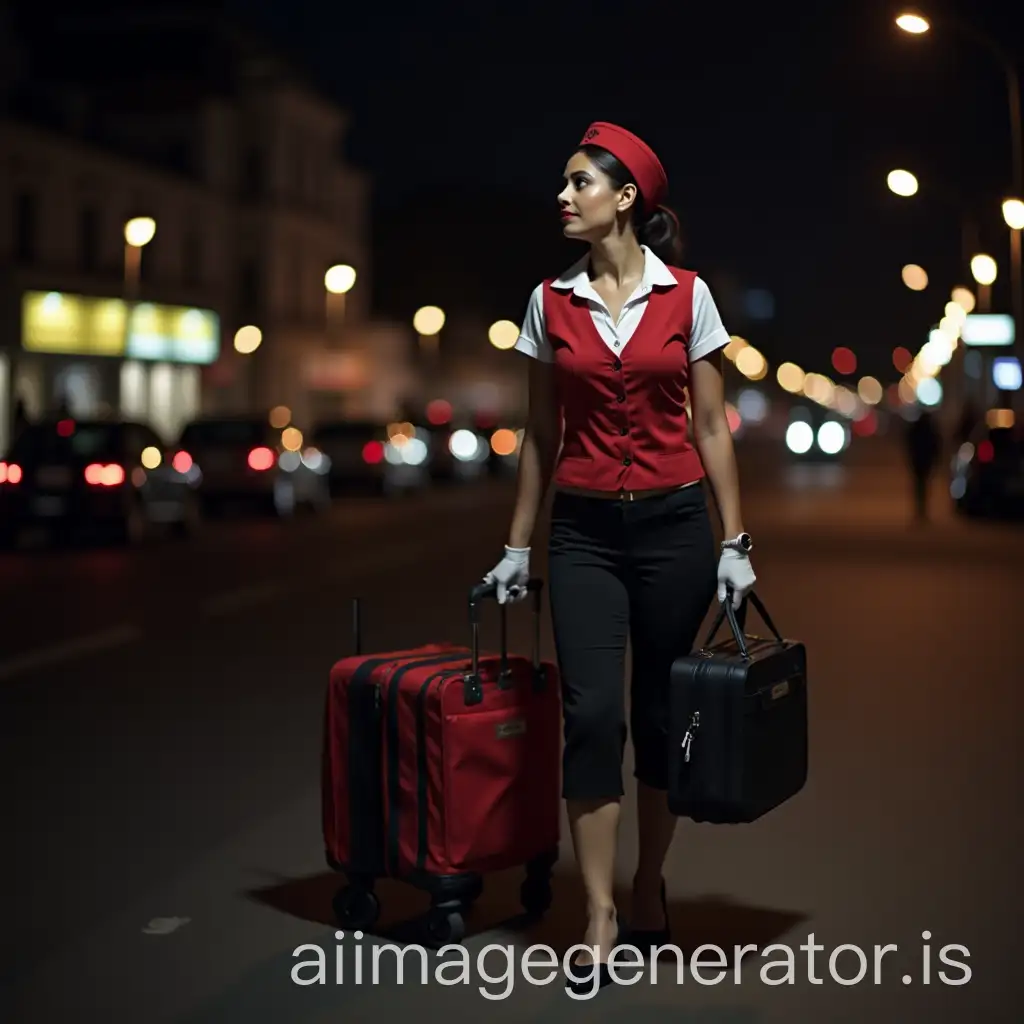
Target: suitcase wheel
x=443, y=925
x=356, y=907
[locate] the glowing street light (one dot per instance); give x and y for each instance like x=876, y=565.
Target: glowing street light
x=248, y=339
x=428, y=321
x=1013, y=214
x=983, y=268
x=913, y=23
x=903, y=183
x=915, y=277
x=339, y=279
x=138, y=231
x=503, y=334
x=338, y=282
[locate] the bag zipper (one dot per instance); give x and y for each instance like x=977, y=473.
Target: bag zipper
x=691, y=732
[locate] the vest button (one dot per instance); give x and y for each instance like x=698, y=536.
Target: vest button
x=618, y=364
x=627, y=461
x=623, y=431
x=620, y=398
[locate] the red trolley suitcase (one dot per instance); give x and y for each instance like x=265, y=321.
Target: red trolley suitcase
x=440, y=764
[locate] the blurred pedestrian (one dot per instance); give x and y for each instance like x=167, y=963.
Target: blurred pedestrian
x=924, y=447
x=614, y=342
x=21, y=418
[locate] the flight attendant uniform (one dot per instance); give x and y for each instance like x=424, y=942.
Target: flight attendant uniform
x=631, y=552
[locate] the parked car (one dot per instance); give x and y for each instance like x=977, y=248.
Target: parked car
x=244, y=460
x=988, y=473
x=77, y=476
x=358, y=451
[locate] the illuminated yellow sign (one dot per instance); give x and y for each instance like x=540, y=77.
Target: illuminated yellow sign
x=62, y=324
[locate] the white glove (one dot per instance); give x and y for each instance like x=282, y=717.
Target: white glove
x=735, y=570
x=512, y=574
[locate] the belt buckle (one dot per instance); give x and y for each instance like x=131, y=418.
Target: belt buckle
x=626, y=495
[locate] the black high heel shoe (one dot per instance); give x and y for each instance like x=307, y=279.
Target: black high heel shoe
x=644, y=938
x=584, y=987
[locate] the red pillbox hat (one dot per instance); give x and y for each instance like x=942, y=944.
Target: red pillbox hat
x=636, y=155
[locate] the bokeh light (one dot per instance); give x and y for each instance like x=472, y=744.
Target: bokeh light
x=915, y=277
x=844, y=361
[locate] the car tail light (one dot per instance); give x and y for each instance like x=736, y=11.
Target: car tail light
x=98, y=474
x=10, y=473
x=182, y=462
x=373, y=452
x=261, y=459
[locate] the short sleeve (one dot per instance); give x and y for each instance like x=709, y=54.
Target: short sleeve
x=533, y=338
x=709, y=333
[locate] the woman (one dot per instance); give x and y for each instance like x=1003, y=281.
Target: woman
x=616, y=343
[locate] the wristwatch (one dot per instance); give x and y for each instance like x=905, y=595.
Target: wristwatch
x=741, y=543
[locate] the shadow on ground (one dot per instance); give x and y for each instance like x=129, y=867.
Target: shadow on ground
x=714, y=919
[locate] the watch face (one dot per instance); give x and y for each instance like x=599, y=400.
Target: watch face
x=745, y=542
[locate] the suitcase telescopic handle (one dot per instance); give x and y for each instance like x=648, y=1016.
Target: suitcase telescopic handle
x=726, y=611
x=477, y=595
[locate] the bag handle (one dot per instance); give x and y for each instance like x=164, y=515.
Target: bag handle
x=726, y=611
x=479, y=593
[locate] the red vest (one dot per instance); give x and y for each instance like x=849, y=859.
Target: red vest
x=625, y=424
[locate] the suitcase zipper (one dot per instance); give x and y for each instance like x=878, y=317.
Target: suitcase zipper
x=691, y=732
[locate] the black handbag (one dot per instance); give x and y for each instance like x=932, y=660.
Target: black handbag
x=738, y=734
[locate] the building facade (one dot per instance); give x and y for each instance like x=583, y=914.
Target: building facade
x=251, y=201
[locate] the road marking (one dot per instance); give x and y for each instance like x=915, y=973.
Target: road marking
x=240, y=599
x=54, y=654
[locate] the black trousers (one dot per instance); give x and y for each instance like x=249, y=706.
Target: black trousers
x=645, y=570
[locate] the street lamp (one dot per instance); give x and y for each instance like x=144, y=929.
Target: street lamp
x=1013, y=214
x=339, y=279
x=138, y=232
x=338, y=282
x=248, y=339
x=984, y=271
x=503, y=334
x=427, y=322
x=915, y=23
x=915, y=277
x=903, y=183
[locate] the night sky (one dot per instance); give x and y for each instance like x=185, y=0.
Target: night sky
x=777, y=124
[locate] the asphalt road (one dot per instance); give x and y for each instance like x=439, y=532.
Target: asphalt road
x=160, y=727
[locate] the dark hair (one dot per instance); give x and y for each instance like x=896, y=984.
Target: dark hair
x=659, y=231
